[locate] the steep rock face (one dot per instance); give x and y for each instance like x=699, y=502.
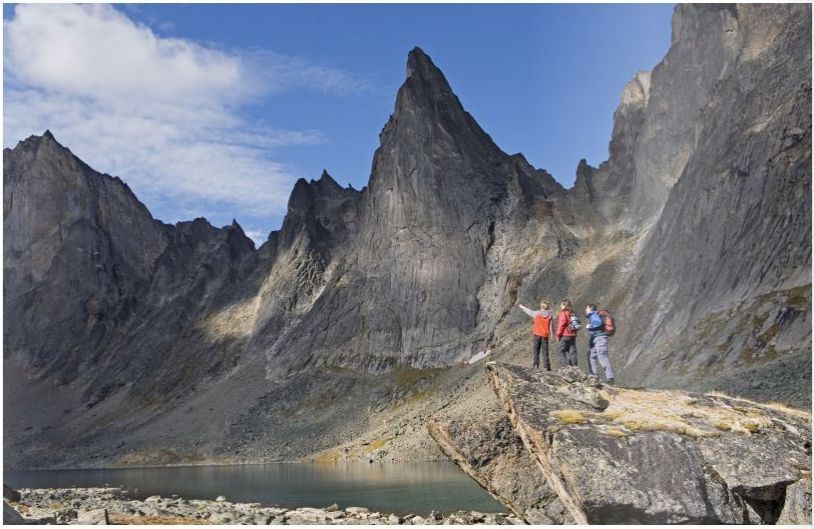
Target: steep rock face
x=615, y=455
x=78, y=247
x=94, y=285
x=702, y=52
x=174, y=331
x=297, y=261
x=729, y=261
x=406, y=293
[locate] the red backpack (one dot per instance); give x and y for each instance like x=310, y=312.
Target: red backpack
x=608, y=322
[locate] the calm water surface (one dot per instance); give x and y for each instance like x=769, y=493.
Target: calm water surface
x=401, y=488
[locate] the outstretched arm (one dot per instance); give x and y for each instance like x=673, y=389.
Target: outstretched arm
x=526, y=309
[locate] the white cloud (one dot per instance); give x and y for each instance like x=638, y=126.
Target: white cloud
x=258, y=236
x=164, y=114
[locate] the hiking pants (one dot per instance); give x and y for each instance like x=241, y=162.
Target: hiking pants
x=599, y=351
x=568, y=351
x=539, y=345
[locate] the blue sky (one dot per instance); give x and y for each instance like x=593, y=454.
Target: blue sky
x=215, y=110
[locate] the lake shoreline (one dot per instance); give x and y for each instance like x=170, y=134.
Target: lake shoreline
x=111, y=505
x=225, y=463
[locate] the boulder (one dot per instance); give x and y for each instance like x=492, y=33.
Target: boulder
x=613, y=455
x=94, y=517
x=335, y=515
x=66, y=516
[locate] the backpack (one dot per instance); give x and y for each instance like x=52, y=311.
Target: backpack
x=574, y=323
x=608, y=322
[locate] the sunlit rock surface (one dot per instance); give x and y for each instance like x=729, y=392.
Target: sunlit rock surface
x=617, y=455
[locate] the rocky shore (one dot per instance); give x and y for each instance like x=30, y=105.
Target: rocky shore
x=110, y=506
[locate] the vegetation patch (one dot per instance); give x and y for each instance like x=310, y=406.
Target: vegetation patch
x=570, y=416
x=615, y=432
x=674, y=412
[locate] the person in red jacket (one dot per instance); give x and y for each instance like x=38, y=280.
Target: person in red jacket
x=566, y=335
x=541, y=330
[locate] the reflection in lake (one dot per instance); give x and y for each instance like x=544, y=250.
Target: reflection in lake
x=401, y=488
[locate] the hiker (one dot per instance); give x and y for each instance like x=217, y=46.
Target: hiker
x=598, y=341
x=541, y=330
x=567, y=327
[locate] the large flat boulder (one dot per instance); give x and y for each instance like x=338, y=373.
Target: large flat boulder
x=488, y=449
x=614, y=455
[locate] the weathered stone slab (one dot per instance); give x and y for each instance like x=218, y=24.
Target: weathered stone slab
x=487, y=448
x=616, y=455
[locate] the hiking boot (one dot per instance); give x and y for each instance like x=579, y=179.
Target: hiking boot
x=611, y=381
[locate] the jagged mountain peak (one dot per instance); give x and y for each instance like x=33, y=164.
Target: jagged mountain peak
x=426, y=90
x=327, y=182
x=36, y=142
x=420, y=64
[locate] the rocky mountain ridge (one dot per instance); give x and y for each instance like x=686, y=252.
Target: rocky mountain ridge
x=362, y=296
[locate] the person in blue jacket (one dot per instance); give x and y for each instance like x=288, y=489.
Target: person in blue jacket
x=597, y=343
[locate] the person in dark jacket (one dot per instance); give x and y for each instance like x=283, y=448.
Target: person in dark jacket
x=540, y=330
x=566, y=335
x=598, y=343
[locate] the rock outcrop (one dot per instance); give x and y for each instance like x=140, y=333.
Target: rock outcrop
x=617, y=455
x=492, y=453
x=729, y=259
